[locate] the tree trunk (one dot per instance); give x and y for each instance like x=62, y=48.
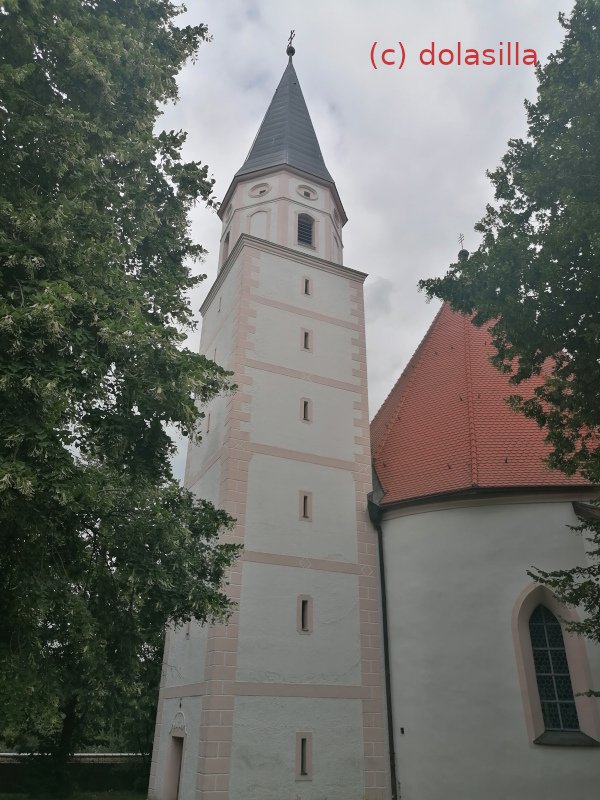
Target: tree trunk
x=63, y=779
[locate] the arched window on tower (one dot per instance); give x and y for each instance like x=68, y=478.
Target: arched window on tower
x=305, y=229
x=552, y=672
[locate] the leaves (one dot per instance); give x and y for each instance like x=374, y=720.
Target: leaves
x=99, y=545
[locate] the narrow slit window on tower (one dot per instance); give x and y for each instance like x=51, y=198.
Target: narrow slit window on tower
x=306, y=340
x=304, y=756
x=307, y=286
x=304, y=614
x=306, y=506
x=305, y=229
x=306, y=410
x=226, y=247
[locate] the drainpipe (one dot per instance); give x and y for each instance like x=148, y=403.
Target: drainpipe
x=375, y=515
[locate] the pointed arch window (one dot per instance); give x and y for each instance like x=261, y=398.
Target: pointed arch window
x=305, y=229
x=552, y=672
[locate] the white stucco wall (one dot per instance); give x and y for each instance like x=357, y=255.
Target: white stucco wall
x=270, y=649
x=275, y=410
x=264, y=741
x=281, y=280
x=208, y=486
x=453, y=578
x=218, y=341
x=191, y=708
x=184, y=662
x=330, y=344
x=219, y=319
x=273, y=523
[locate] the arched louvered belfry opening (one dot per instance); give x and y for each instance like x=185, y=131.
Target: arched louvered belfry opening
x=305, y=229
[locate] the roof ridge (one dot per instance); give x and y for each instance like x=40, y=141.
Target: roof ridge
x=416, y=356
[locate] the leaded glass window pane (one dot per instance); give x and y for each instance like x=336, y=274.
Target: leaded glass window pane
x=552, y=672
x=551, y=716
x=559, y=662
x=564, y=690
x=568, y=714
x=555, y=638
x=542, y=661
x=538, y=635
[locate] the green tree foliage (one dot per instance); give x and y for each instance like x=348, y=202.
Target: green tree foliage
x=98, y=544
x=536, y=275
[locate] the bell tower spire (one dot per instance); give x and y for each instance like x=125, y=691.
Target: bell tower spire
x=284, y=186
x=286, y=135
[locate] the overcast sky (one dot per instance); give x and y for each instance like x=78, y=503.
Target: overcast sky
x=408, y=149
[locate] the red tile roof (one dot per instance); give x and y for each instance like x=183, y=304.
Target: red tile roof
x=445, y=427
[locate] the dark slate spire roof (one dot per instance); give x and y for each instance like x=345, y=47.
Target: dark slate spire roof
x=286, y=135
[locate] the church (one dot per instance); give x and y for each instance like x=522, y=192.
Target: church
x=386, y=641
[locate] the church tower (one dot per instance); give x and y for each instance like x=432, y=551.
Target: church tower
x=287, y=699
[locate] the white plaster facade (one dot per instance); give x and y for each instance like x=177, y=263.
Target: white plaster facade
x=455, y=574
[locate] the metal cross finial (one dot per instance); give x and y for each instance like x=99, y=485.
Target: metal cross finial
x=291, y=39
x=461, y=239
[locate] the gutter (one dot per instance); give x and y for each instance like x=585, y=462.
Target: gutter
x=489, y=492
x=375, y=515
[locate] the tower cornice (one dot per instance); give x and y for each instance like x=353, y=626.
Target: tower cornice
x=305, y=259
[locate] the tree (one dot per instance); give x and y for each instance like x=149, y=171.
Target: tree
x=535, y=278
x=99, y=545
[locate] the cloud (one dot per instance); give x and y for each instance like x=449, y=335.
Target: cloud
x=378, y=298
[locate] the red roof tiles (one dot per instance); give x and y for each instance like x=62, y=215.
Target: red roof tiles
x=445, y=426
